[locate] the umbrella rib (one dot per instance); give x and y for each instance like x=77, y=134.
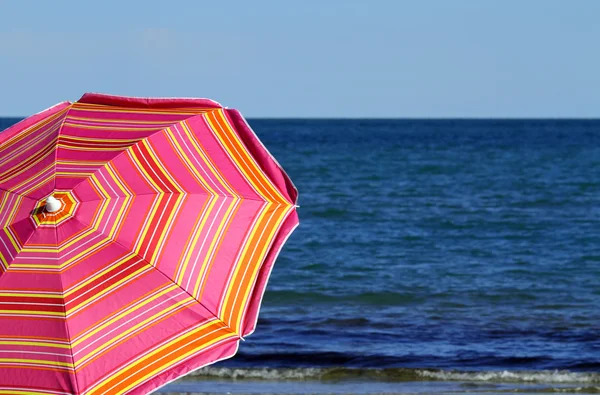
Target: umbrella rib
x=243, y=198
x=67, y=325
x=191, y=296
x=57, y=140
x=171, y=280
x=15, y=193
x=22, y=244
x=183, y=289
x=19, y=195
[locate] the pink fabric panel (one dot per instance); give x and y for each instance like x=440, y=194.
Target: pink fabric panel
x=85, y=191
x=42, y=236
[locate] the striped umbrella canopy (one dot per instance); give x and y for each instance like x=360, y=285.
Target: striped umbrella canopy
x=137, y=239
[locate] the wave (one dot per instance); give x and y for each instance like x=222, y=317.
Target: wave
x=399, y=375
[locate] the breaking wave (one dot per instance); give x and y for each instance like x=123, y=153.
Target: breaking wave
x=397, y=374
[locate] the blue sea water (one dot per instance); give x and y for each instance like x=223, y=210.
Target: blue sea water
x=469, y=249
x=443, y=244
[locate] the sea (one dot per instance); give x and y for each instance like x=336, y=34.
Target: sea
x=432, y=257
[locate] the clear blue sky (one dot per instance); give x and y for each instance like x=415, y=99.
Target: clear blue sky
x=280, y=58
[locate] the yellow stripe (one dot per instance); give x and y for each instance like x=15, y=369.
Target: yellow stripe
x=32, y=295
x=16, y=246
x=27, y=312
x=98, y=139
x=36, y=361
x=34, y=343
x=251, y=161
x=86, y=163
x=3, y=259
x=134, y=157
x=85, y=149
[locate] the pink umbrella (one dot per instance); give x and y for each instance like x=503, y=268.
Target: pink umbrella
x=137, y=239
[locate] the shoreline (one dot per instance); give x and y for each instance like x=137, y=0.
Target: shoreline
x=341, y=381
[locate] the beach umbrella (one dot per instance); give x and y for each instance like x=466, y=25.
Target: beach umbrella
x=137, y=239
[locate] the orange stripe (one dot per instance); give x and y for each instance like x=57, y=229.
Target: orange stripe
x=259, y=171
x=161, y=360
x=240, y=154
x=243, y=281
x=58, y=369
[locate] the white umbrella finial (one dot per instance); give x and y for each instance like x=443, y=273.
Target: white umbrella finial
x=52, y=204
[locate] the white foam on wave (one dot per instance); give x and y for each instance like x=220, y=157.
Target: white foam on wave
x=393, y=374
x=542, y=376
x=260, y=373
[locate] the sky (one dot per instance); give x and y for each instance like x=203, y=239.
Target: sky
x=310, y=58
